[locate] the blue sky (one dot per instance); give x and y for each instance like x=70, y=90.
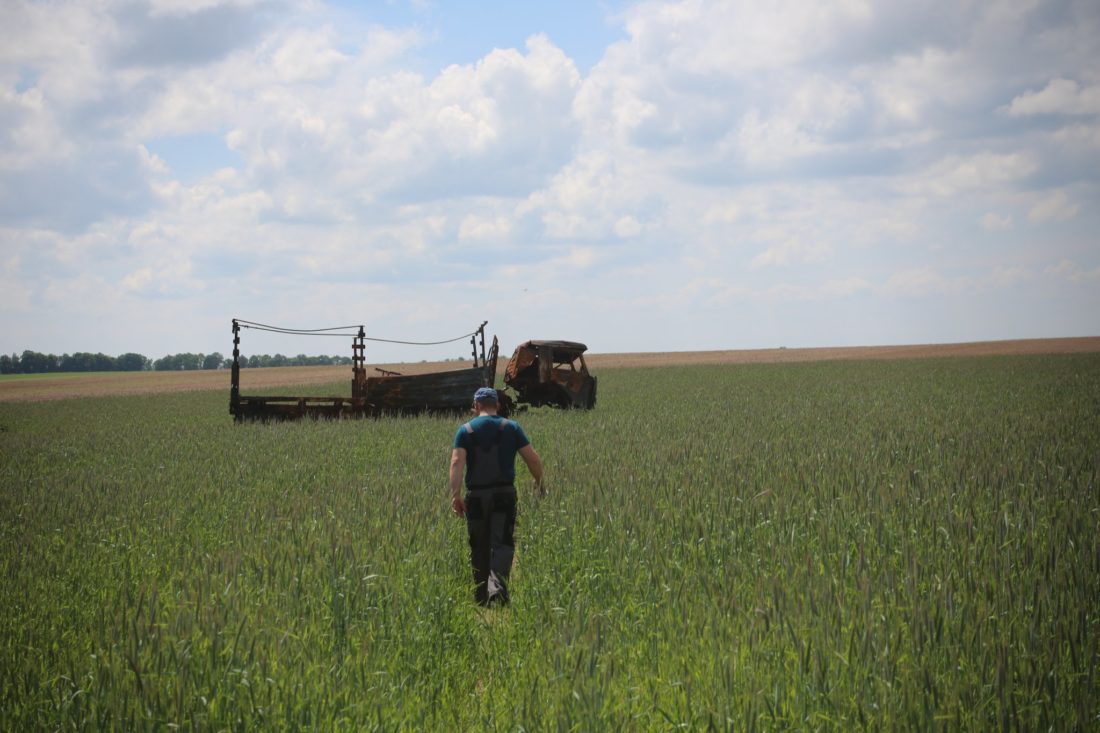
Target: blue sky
x=464, y=32
x=641, y=176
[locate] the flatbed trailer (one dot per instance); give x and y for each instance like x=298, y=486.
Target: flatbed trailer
x=390, y=393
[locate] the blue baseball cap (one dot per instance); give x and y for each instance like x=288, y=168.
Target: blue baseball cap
x=485, y=394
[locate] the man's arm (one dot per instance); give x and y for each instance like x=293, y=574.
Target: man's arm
x=534, y=465
x=458, y=465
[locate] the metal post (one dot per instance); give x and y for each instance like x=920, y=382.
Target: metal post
x=481, y=330
x=235, y=373
x=358, y=362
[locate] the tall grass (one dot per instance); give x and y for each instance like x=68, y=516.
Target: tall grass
x=815, y=546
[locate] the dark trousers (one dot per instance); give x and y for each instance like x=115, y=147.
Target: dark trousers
x=491, y=523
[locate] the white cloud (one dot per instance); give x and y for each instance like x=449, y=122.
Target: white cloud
x=1055, y=206
x=62, y=43
x=33, y=135
x=696, y=74
x=171, y=274
x=1009, y=276
x=188, y=7
x=475, y=227
x=308, y=55
x=17, y=295
x=955, y=174
x=766, y=141
x=138, y=281
x=302, y=106
x=829, y=290
x=593, y=196
x=1059, y=97
x=1072, y=272
x=845, y=287
x=1085, y=137
x=921, y=282
x=723, y=213
x=993, y=222
x=547, y=274
x=787, y=292
x=86, y=292
x=908, y=87
x=792, y=249
x=627, y=226
x=699, y=37
x=778, y=255
x=580, y=258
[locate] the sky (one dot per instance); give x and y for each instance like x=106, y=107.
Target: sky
x=638, y=176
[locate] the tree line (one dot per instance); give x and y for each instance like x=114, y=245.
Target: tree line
x=33, y=362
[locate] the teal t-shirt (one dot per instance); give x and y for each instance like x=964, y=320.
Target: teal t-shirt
x=488, y=429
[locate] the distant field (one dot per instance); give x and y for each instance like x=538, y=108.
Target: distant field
x=61, y=386
x=850, y=353
x=30, y=388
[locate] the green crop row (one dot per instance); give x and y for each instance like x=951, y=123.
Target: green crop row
x=835, y=546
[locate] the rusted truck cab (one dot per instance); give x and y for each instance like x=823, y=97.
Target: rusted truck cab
x=551, y=373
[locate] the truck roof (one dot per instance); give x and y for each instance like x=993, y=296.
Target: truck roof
x=565, y=345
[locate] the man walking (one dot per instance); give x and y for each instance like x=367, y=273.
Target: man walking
x=486, y=449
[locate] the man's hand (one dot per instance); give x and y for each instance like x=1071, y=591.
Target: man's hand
x=458, y=464
x=534, y=465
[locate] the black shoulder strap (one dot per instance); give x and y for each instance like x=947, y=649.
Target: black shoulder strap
x=473, y=433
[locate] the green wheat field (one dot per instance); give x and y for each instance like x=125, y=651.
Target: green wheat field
x=822, y=546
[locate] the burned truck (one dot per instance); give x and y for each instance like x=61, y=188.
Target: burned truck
x=387, y=393
x=551, y=373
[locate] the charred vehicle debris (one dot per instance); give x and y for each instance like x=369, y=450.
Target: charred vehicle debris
x=540, y=372
x=551, y=373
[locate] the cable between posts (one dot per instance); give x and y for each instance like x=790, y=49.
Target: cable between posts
x=344, y=332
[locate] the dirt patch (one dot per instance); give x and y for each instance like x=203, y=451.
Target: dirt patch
x=255, y=381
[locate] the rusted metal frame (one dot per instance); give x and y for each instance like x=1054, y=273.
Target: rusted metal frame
x=490, y=378
x=440, y=391
x=278, y=407
x=292, y=399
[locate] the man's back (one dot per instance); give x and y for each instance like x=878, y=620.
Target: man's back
x=491, y=443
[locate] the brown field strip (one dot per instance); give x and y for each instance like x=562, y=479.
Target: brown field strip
x=850, y=353
x=254, y=381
